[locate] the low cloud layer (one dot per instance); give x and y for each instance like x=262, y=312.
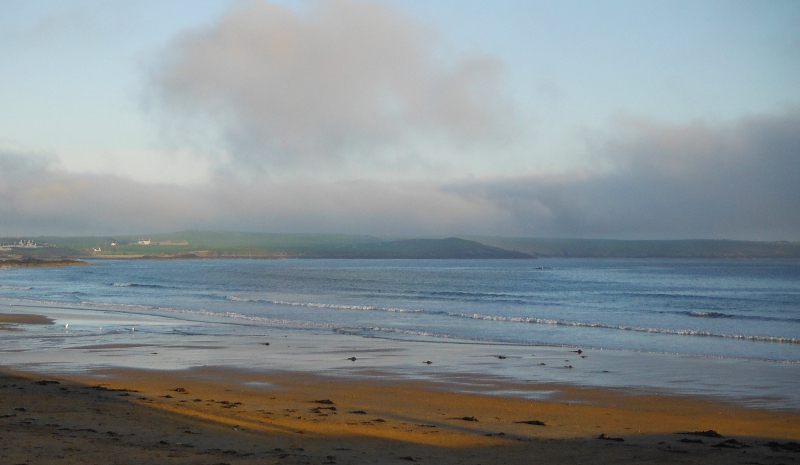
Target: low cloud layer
x=736, y=181
x=342, y=82
x=739, y=180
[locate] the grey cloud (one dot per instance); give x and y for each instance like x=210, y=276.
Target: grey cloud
x=343, y=79
x=728, y=181
x=18, y=163
x=59, y=203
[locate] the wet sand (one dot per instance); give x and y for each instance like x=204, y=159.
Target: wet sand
x=13, y=321
x=218, y=416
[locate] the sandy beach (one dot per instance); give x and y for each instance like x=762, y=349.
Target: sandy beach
x=217, y=416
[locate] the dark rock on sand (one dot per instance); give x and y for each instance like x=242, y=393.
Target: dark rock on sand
x=532, y=422
x=708, y=434
x=731, y=444
x=791, y=446
x=45, y=382
x=606, y=437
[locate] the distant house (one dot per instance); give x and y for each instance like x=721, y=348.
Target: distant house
x=144, y=242
x=97, y=249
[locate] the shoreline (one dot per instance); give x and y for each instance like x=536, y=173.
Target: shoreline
x=219, y=415
x=75, y=340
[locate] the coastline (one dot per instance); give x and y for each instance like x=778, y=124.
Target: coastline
x=87, y=396
x=218, y=415
x=70, y=340
x=36, y=262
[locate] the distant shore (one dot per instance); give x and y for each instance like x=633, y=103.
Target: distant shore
x=35, y=262
x=221, y=245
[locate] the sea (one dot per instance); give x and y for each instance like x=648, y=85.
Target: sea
x=720, y=328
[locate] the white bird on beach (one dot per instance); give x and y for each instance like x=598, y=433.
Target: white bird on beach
x=66, y=326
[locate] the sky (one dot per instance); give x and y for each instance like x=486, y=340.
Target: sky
x=581, y=119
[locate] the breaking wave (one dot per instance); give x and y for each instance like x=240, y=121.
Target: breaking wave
x=147, y=286
x=330, y=306
x=711, y=314
x=641, y=329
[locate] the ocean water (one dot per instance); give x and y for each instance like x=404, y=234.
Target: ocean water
x=727, y=328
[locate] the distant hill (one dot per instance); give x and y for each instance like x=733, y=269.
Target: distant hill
x=451, y=247
x=645, y=249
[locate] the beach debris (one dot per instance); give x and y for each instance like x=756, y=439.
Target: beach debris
x=358, y=412
x=323, y=401
x=606, y=437
x=265, y=343
x=427, y=362
x=791, y=446
x=501, y=357
x=532, y=422
x=579, y=351
x=542, y=364
x=352, y=359
x=465, y=418
x=408, y=457
x=379, y=420
x=569, y=367
x=708, y=434
x=180, y=389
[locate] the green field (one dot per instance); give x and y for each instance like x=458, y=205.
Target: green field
x=218, y=244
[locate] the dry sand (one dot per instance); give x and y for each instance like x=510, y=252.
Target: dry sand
x=218, y=416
